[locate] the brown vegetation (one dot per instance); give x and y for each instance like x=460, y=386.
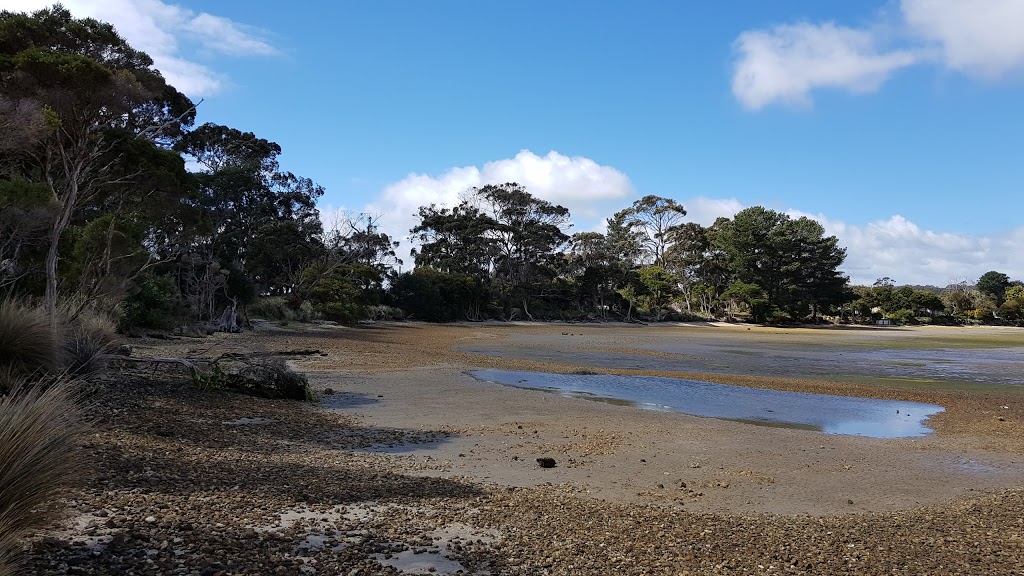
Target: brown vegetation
x=38, y=458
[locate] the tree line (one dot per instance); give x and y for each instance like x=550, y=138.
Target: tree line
x=112, y=200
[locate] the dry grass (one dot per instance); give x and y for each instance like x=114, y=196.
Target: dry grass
x=38, y=458
x=26, y=344
x=91, y=334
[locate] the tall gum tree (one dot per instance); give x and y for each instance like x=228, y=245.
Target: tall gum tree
x=90, y=90
x=649, y=225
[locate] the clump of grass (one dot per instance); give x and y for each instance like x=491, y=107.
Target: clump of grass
x=89, y=335
x=38, y=459
x=26, y=344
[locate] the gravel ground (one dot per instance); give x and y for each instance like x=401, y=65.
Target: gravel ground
x=212, y=483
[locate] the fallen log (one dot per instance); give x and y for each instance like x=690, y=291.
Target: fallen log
x=190, y=364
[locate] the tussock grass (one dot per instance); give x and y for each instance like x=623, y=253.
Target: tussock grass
x=91, y=334
x=26, y=344
x=38, y=459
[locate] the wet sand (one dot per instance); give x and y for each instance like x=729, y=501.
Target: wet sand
x=410, y=464
x=417, y=379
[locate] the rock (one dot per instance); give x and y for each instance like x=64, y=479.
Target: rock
x=546, y=462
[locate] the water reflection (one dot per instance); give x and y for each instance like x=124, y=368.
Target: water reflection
x=827, y=413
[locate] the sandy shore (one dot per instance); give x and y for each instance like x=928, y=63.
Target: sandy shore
x=410, y=454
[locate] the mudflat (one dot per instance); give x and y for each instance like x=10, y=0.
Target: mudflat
x=408, y=463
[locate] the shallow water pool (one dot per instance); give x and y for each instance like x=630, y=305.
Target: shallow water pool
x=827, y=413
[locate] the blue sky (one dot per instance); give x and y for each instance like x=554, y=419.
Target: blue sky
x=897, y=124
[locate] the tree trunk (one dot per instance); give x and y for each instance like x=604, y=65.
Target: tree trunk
x=51, y=280
x=67, y=205
x=229, y=319
x=526, y=311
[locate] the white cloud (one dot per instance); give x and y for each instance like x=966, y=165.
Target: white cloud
x=705, y=211
x=580, y=184
x=899, y=248
x=785, y=63
x=981, y=37
x=228, y=37
x=172, y=35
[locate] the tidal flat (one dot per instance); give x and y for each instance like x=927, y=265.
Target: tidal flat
x=406, y=451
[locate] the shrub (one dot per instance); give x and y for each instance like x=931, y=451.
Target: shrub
x=341, y=312
x=983, y=314
x=281, y=310
x=26, y=344
x=382, y=312
x=903, y=317
x=155, y=302
x=38, y=458
x=271, y=308
x=427, y=294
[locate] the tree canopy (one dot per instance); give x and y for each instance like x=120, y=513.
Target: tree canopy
x=98, y=207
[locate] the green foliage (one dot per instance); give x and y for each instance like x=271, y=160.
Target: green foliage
x=994, y=284
x=647, y=229
x=903, y=317
x=1015, y=293
x=792, y=261
x=341, y=312
x=657, y=288
x=751, y=295
x=154, y=302
x=271, y=308
x=211, y=380
x=384, y=312
x=960, y=298
x=908, y=301
x=428, y=294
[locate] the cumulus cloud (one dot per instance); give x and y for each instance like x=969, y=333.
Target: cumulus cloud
x=578, y=183
x=705, y=211
x=981, y=37
x=172, y=35
x=785, y=63
x=901, y=249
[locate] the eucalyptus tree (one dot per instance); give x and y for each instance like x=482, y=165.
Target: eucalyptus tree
x=260, y=226
x=85, y=93
x=596, y=269
x=528, y=233
x=700, y=269
x=455, y=240
x=500, y=234
x=648, y=227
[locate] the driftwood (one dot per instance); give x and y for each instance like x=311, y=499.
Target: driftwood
x=257, y=374
x=188, y=363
